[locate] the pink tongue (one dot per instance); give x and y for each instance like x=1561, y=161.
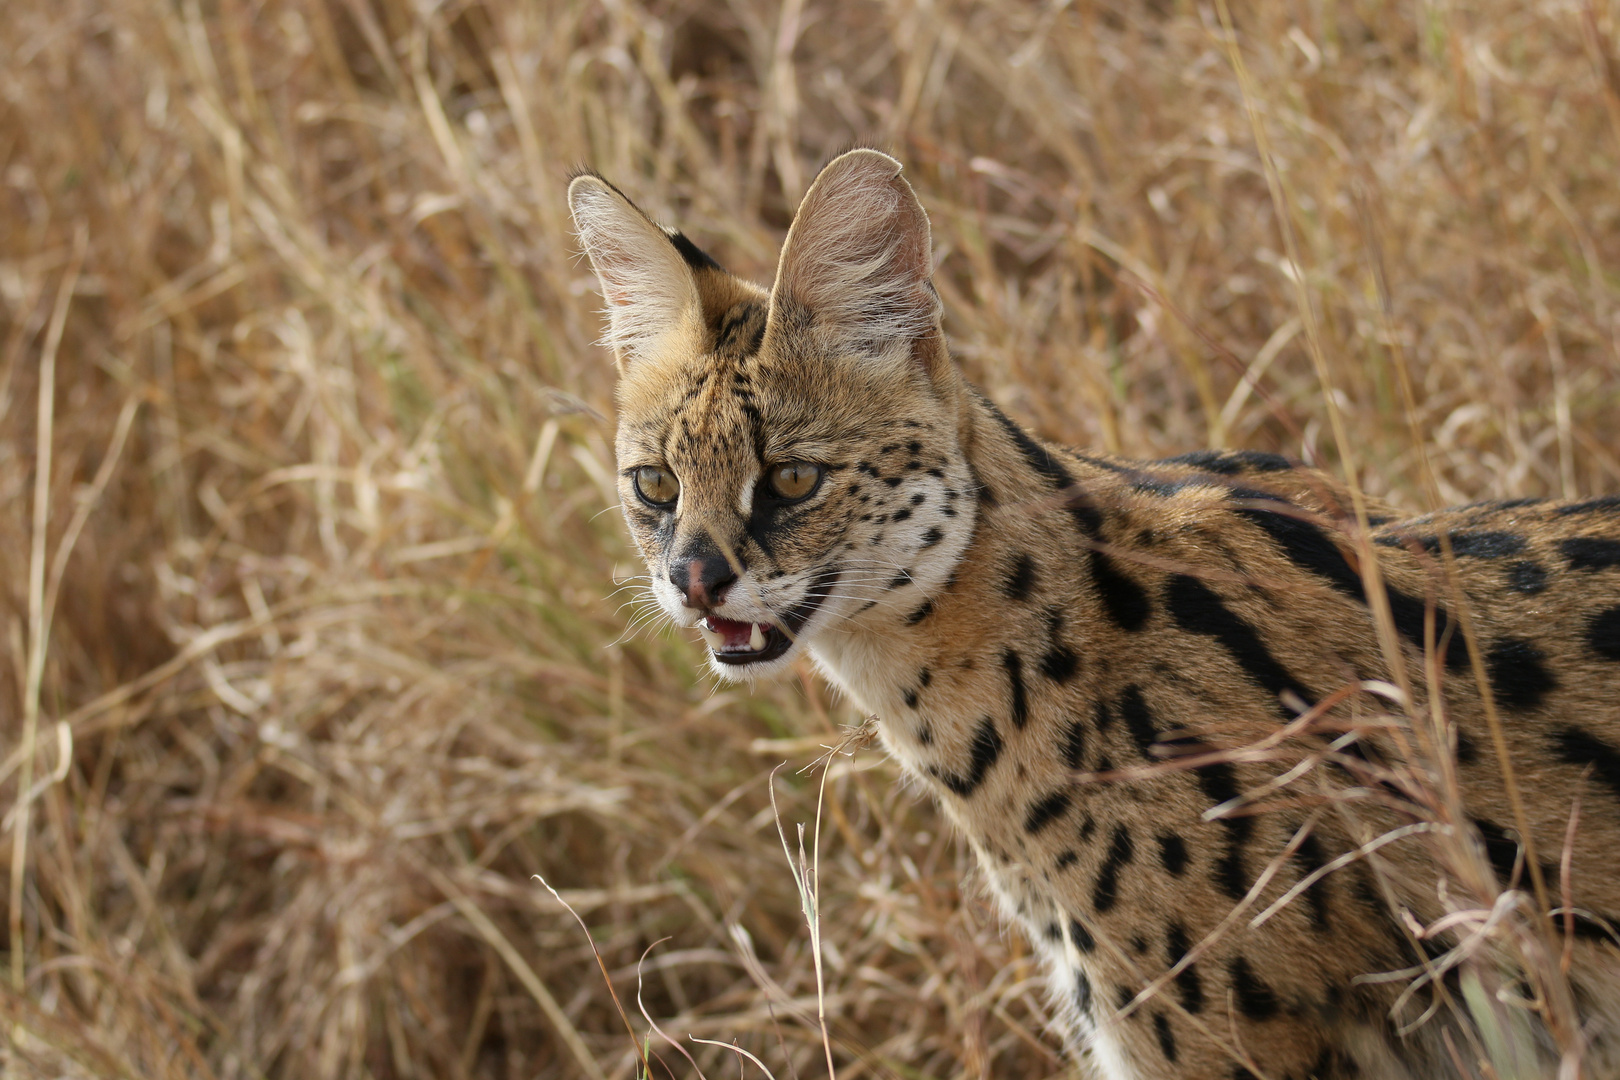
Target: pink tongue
x=738, y=635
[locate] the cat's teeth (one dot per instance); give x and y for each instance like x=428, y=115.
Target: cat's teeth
x=714, y=640
x=756, y=638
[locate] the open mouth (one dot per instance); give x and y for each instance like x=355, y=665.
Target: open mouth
x=735, y=642
x=739, y=643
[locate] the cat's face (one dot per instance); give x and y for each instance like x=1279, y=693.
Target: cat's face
x=788, y=461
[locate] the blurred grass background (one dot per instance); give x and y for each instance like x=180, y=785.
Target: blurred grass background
x=308, y=553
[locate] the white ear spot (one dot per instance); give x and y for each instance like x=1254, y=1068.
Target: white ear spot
x=647, y=285
x=858, y=256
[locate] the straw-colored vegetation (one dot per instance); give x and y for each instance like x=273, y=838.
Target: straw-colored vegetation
x=308, y=548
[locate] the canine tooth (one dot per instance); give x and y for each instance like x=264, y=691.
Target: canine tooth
x=714, y=640
x=756, y=638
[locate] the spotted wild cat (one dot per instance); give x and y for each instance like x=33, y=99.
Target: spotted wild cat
x=1071, y=650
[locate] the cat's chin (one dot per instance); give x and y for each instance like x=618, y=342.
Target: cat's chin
x=753, y=670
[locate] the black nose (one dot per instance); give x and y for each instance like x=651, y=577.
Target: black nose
x=703, y=578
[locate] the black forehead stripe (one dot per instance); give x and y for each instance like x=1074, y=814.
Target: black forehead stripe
x=691, y=254
x=741, y=330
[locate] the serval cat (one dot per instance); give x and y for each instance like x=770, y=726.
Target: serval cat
x=1083, y=656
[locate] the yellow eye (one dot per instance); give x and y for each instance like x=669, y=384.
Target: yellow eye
x=656, y=486
x=794, y=480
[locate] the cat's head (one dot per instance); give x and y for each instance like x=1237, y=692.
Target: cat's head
x=789, y=460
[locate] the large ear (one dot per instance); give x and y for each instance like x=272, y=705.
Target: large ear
x=858, y=259
x=648, y=286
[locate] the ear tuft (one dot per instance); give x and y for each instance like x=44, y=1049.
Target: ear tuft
x=643, y=272
x=858, y=257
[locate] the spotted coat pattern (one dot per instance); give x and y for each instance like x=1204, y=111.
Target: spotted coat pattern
x=1071, y=650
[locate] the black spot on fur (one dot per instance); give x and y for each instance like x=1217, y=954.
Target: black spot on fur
x=1310, y=548
x=932, y=536
x=1310, y=857
x=1238, y=461
x=1163, y=486
x=1082, y=993
x=1188, y=985
x=1579, y=747
x=1254, y=998
x=1484, y=545
x=1065, y=860
x=1021, y=579
x=921, y=613
x=1591, y=552
x=1081, y=936
x=1594, y=928
x=1167, y=1038
x=902, y=514
x=1500, y=849
x=1105, y=893
x=1590, y=506
x=911, y=699
x=1015, y=675
x=1123, y=597
x=1219, y=783
x=1059, y=663
x=1173, y=853
x=1046, y=811
x=1527, y=577
x=1074, y=745
x=902, y=578
x=1603, y=633
x=1519, y=678
x=1101, y=715
x=1211, y=461
x=1467, y=750
x=1197, y=609
x=1138, y=720
x=893, y=481
x=1476, y=545
x=986, y=749
x=1332, y=1064
x=924, y=677
x=1261, y=461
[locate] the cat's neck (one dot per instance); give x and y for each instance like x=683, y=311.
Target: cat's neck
x=942, y=641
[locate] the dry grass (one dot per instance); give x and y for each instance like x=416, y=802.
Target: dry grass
x=316, y=647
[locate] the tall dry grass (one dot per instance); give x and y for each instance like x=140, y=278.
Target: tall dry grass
x=308, y=551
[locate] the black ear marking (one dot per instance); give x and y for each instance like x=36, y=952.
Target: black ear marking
x=691, y=254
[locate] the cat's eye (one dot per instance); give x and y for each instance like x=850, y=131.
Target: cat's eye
x=656, y=486
x=794, y=480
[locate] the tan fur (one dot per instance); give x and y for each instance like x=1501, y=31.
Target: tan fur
x=1050, y=637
